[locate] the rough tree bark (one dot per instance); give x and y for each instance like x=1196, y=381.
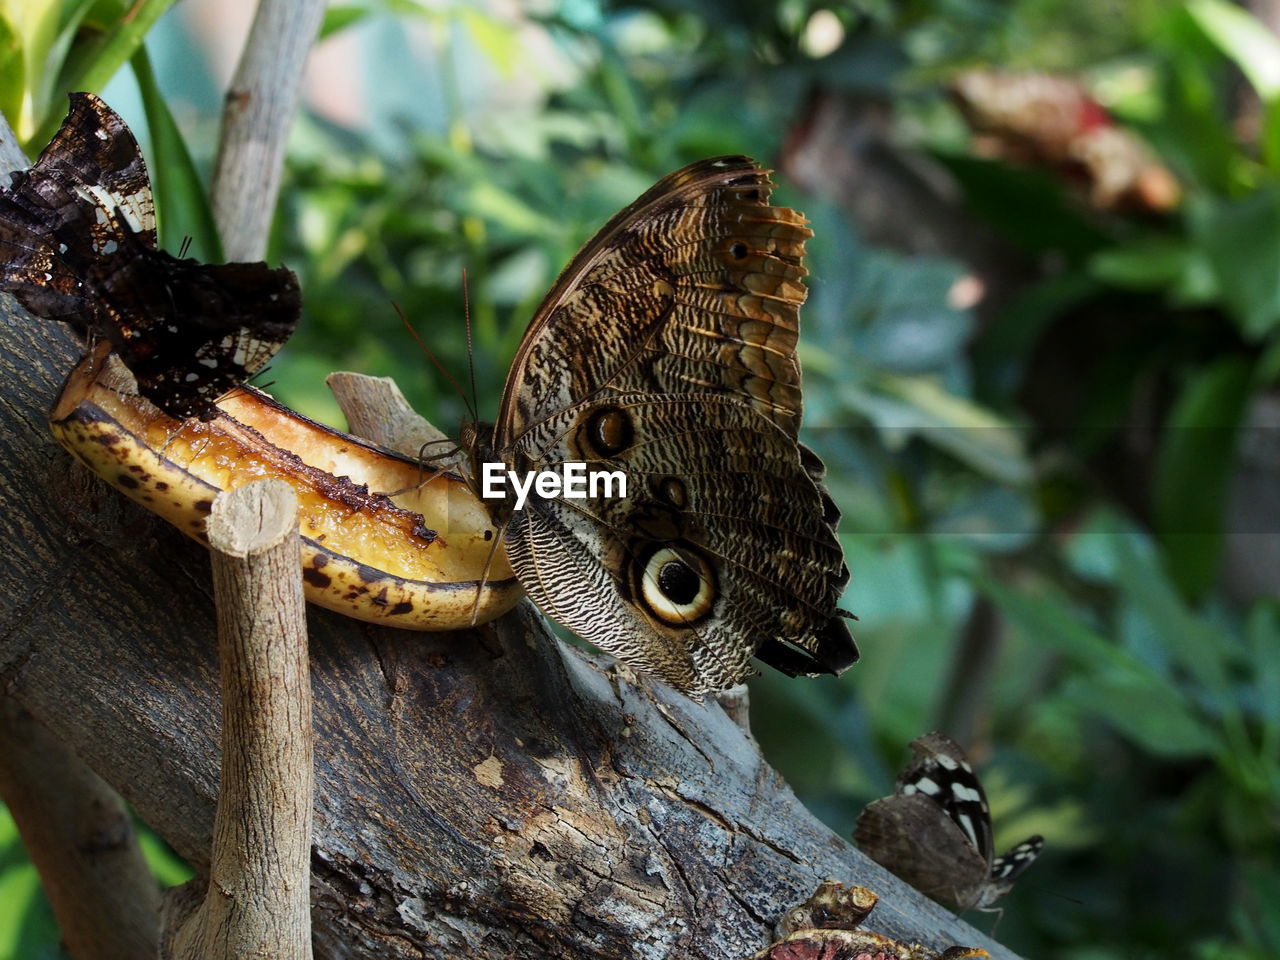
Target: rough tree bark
x=256, y=901
x=76, y=829
x=486, y=794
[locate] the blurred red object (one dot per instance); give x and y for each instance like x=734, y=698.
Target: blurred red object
x=1048, y=120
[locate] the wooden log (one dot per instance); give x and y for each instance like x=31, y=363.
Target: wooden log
x=490, y=793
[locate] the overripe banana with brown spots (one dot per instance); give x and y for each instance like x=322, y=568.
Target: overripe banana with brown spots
x=378, y=543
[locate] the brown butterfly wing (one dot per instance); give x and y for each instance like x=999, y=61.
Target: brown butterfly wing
x=938, y=760
x=711, y=486
x=666, y=351
x=913, y=838
x=87, y=195
x=78, y=244
x=693, y=288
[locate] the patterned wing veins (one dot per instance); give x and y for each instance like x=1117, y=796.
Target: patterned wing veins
x=78, y=244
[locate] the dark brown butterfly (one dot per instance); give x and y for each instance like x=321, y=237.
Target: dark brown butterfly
x=665, y=356
x=78, y=244
x=935, y=831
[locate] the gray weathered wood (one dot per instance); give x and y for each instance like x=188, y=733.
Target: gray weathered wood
x=490, y=793
x=11, y=155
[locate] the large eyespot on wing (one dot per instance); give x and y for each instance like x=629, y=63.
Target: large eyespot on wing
x=667, y=350
x=675, y=583
x=719, y=549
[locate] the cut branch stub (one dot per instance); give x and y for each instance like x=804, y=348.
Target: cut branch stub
x=257, y=900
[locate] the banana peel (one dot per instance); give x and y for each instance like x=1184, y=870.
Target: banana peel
x=384, y=538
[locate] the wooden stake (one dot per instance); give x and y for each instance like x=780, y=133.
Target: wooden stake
x=258, y=899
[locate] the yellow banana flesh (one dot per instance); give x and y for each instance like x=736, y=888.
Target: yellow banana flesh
x=382, y=539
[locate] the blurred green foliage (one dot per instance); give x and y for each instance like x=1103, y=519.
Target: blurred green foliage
x=1129, y=709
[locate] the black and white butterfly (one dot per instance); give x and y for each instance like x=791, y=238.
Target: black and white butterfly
x=78, y=244
x=935, y=831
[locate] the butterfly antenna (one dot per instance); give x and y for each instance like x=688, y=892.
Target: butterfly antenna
x=422, y=450
x=196, y=452
x=185, y=247
x=424, y=477
x=484, y=573
x=434, y=359
x=999, y=912
x=441, y=458
x=238, y=390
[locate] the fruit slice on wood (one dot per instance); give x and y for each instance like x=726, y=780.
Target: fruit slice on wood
x=384, y=538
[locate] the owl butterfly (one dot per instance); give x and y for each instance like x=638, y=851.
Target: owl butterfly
x=78, y=244
x=935, y=831
x=666, y=352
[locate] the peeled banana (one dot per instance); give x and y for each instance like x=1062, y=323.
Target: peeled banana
x=384, y=538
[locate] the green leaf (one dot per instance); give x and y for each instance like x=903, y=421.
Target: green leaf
x=182, y=205
x=971, y=433
x=115, y=32
x=1268, y=369
x=1263, y=634
x=1202, y=651
x=1116, y=686
x=1243, y=38
x=35, y=37
x=1149, y=263
x=339, y=17
x=500, y=43
x=1194, y=132
x=507, y=210
x=1193, y=467
x=166, y=866
x=1144, y=712
x=12, y=73
x=1241, y=239
x=1258, y=916
x=19, y=888
x=1271, y=134
x=1046, y=617
x=1028, y=206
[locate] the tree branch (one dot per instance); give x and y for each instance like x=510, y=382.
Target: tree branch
x=81, y=839
x=376, y=410
x=255, y=123
x=257, y=898
x=75, y=828
x=493, y=793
